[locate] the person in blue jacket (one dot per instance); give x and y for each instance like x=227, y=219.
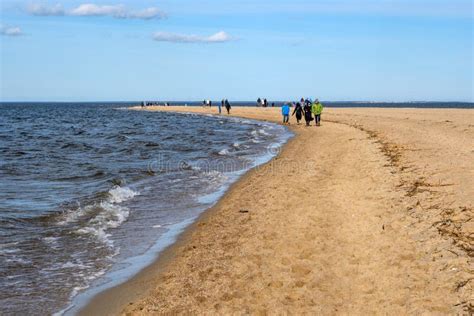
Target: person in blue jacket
x=285, y=111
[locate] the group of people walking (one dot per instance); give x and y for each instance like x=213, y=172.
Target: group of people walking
x=263, y=103
x=147, y=103
x=305, y=108
x=311, y=111
x=207, y=103
x=224, y=104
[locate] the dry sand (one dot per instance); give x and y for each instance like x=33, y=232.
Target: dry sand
x=371, y=213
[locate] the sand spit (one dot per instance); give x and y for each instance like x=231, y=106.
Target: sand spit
x=369, y=214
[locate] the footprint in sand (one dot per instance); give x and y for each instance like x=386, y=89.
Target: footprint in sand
x=299, y=284
x=301, y=270
x=285, y=261
x=305, y=254
x=275, y=284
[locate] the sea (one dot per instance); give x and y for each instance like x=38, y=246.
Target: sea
x=91, y=193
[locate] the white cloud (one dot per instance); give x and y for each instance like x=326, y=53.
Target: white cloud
x=10, y=31
x=89, y=9
x=43, y=10
x=98, y=10
x=219, y=37
x=147, y=14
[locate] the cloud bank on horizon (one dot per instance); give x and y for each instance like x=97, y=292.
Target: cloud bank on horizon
x=88, y=9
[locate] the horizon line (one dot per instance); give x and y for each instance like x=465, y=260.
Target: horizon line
x=249, y=101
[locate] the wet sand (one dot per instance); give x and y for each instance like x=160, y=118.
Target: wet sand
x=371, y=213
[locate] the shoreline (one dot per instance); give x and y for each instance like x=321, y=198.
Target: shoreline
x=116, y=281
x=141, y=294
x=113, y=300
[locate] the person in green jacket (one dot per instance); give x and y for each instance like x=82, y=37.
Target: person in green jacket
x=317, y=109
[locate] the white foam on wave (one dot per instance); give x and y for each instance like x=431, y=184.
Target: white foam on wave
x=255, y=137
x=119, y=194
x=74, y=292
x=116, y=195
x=263, y=132
x=111, y=214
x=236, y=145
x=97, y=232
x=70, y=216
x=224, y=152
x=96, y=275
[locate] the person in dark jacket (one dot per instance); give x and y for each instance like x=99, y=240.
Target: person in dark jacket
x=308, y=117
x=299, y=112
x=227, y=106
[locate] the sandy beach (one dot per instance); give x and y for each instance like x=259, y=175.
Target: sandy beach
x=371, y=213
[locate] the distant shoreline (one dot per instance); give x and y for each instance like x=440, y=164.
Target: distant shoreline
x=333, y=104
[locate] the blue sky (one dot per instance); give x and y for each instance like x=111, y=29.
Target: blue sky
x=397, y=50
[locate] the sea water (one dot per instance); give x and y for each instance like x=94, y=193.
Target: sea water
x=91, y=193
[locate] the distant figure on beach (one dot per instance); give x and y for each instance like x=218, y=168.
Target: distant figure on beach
x=317, y=109
x=220, y=106
x=308, y=117
x=273, y=104
x=265, y=103
x=227, y=106
x=285, y=111
x=259, y=102
x=299, y=112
